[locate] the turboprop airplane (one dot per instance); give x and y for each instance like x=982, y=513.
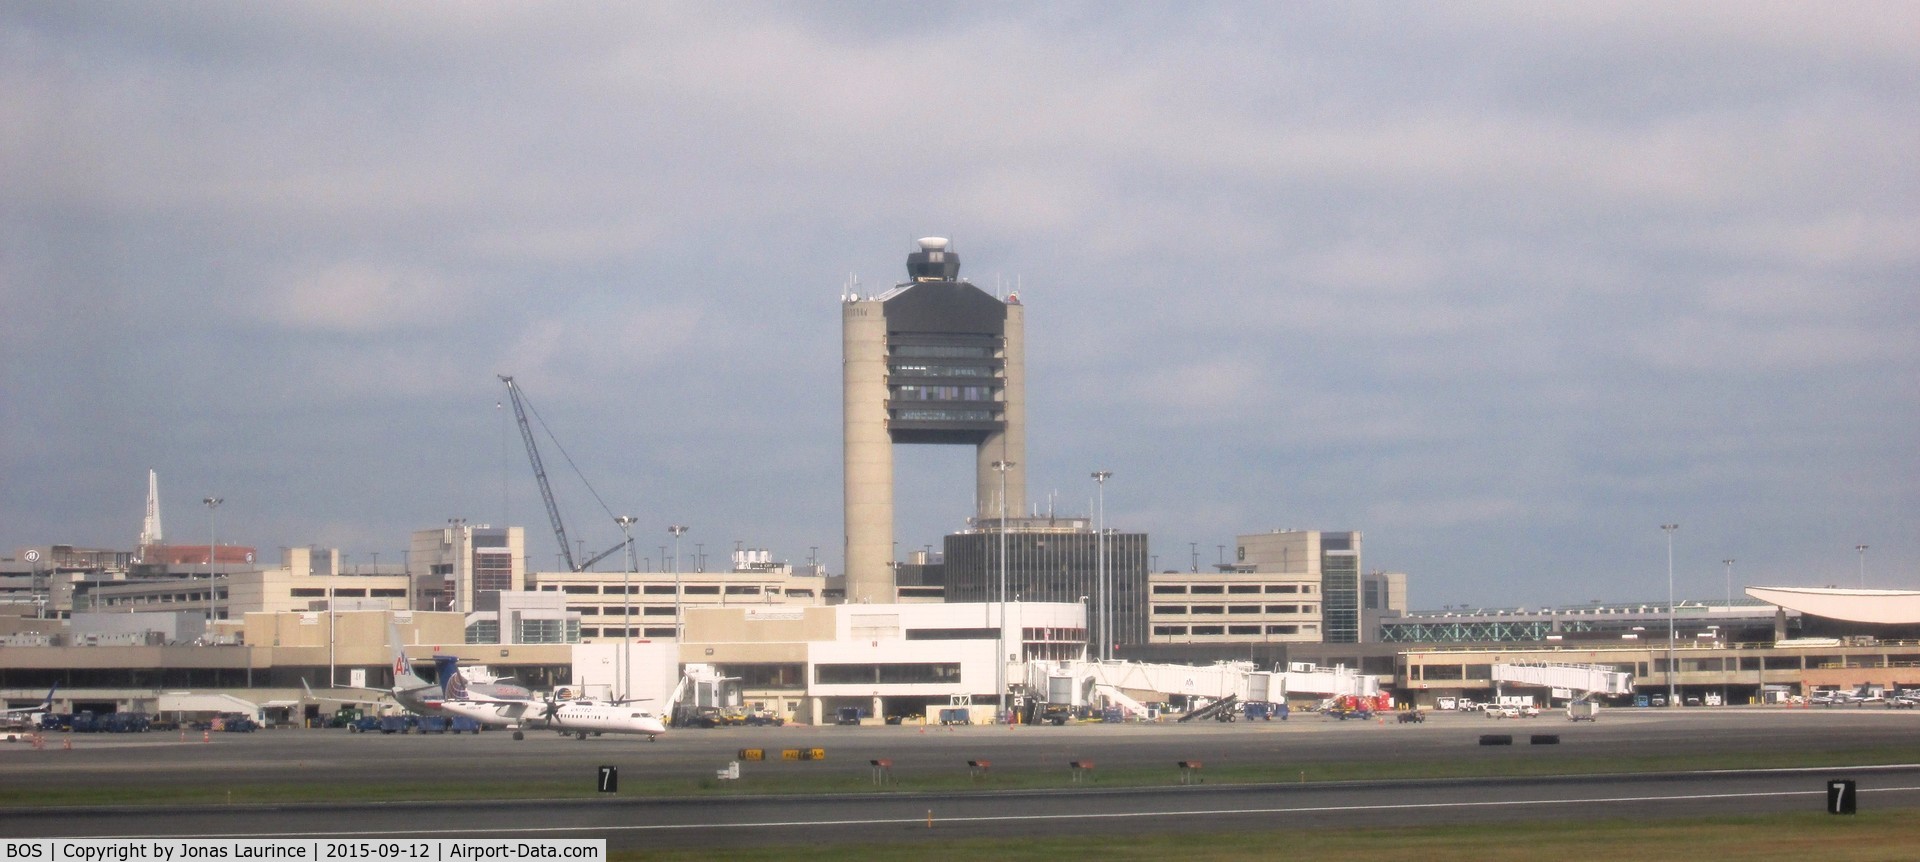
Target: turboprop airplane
x=577, y=717
x=581, y=717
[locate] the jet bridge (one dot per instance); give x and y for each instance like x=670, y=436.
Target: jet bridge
x=1126, y=684
x=1588, y=679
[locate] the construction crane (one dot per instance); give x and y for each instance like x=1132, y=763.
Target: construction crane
x=546, y=491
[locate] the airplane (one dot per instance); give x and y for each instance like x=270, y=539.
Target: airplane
x=494, y=702
x=564, y=716
x=420, y=697
x=581, y=717
x=1827, y=697
x=24, y=712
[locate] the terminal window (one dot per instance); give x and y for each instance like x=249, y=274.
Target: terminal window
x=887, y=674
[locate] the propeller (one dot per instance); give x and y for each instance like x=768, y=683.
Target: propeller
x=552, y=713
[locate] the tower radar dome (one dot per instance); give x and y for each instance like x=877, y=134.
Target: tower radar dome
x=933, y=262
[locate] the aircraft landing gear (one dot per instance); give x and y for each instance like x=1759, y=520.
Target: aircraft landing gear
x=519, y=735
x=581, y=735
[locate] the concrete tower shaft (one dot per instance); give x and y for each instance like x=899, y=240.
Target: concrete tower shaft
x=868, y=472
x=1009, y=443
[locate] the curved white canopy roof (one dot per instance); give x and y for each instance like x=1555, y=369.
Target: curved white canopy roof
x=1887, y=607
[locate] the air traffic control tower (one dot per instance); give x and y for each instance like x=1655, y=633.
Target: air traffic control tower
x=934, y=360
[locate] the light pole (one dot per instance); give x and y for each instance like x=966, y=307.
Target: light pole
x=1083, y=613
x=1863, y=564
x=1000, y=657
x=1669, y=528
x=1729, y=582
x=1101, y=581
x=626, y=606
x=677, y=530
x=212, y=504
x=462, y=556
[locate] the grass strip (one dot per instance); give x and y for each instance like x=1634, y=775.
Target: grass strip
x=1880, y=836
x=804, y=779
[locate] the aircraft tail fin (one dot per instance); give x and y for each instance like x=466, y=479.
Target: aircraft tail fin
x=453, y=685
x=403, y=675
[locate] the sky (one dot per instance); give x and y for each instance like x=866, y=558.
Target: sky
x=1504, y=286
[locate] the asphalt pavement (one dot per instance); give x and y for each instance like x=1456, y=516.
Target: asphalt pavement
x=162, y=761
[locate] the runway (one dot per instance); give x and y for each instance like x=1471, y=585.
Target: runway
x=335, y=756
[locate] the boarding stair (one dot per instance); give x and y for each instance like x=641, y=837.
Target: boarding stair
x=1214, y=709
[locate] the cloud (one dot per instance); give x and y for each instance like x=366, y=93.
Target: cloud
x=1554, y=268
x=361, y=297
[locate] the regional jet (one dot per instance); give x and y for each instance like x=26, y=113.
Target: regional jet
x=420, y=697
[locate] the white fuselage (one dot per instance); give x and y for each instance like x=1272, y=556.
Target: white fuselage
x=582, y=717
x=489, y=714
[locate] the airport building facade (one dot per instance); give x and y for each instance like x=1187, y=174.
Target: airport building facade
x=1283, y=587
x=1052, y=559
x=808, y=663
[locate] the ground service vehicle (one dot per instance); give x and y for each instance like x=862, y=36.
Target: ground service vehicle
x=1055, y=714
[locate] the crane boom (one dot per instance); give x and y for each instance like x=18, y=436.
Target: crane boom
x=540, y=474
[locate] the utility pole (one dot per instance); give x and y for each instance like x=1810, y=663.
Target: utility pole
x=679, y=634
x=213, y=550
x=626, y=523
x=1101, y=578
x=1669, y=528
x=1000, y=659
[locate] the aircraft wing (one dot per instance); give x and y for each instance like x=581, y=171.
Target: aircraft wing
x=42, y=706
x=379, y=698
x=512, y=710
x=482, y=697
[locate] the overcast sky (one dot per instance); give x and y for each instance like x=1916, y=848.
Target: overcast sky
x=1503, y=286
